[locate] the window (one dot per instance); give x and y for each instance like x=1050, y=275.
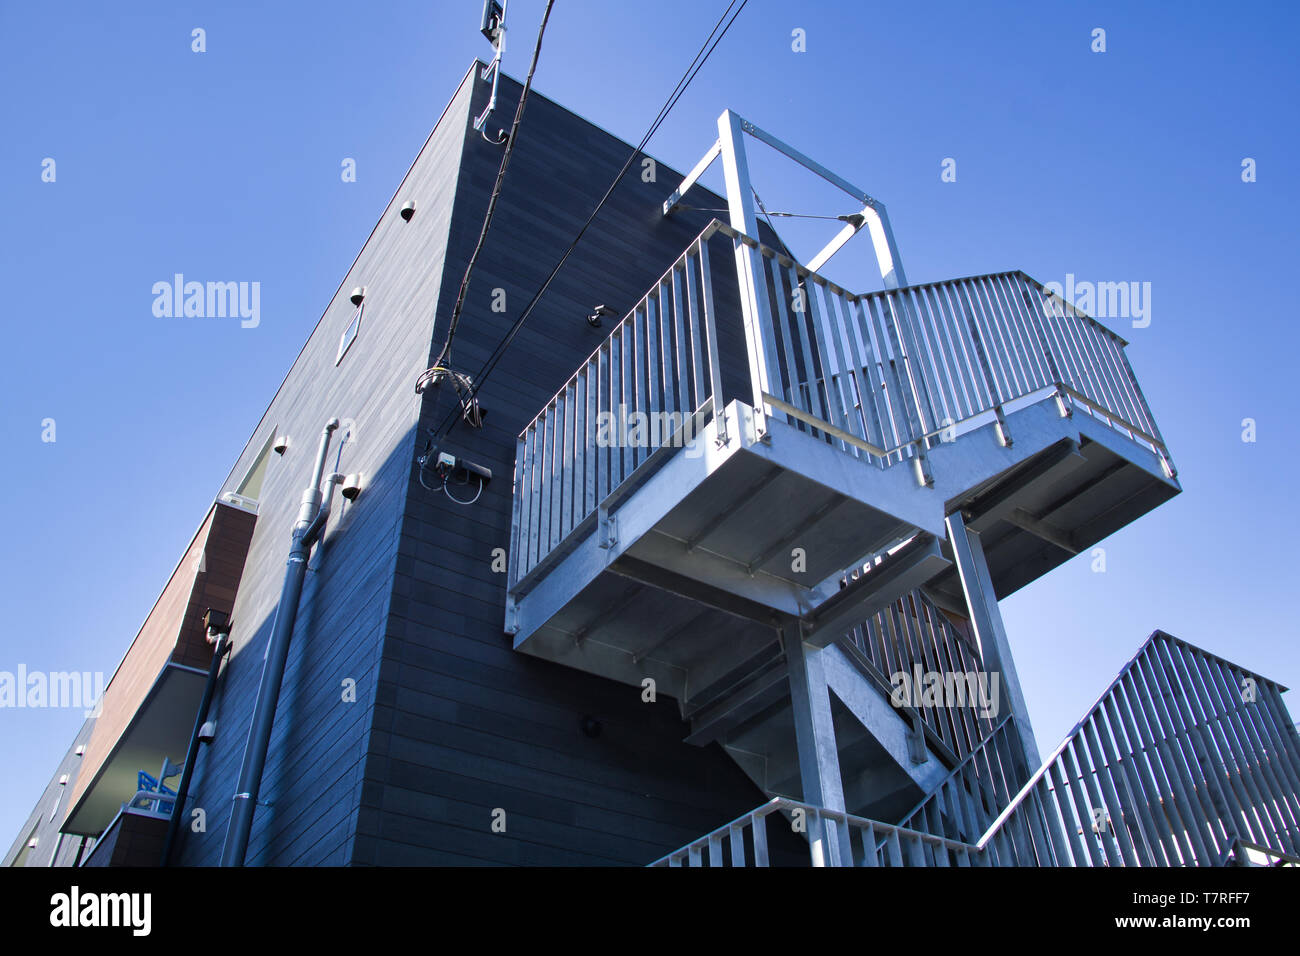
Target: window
x=350, y=333
x=251, y=486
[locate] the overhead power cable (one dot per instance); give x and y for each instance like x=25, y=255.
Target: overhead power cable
x=442, y=364
x=701, y=57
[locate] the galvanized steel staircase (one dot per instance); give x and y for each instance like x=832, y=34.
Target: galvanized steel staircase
x=1185, y=760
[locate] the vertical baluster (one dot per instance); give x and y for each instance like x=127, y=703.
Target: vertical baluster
x=1272, y=716
x=894, y=850
x=1111, y=348
x=857, y=389
x=1121, y=814
x=1205, y=786
x=715, y=850
x=1065, y=802
x=627, y=395
x=1010, y=333
x=961, y=349
x=827, y=356
x=547, y=462
x=1094, y=814
x=1046, y=807
x=1025, y=329
x=862, y=372
x=681, y=363
x=1142, y=783
x=1195, y=814
x=1270, y=787
x=1025, y=355
x=1128, y=789
x=711, y=344
x=654, y=372
x=606, y=467
x=580, y=440
x=640, y=401
x=699, y=362
x=869, y=370
x=592, y=416
x=1198, y=720
x=1051, y=316
x=517, y=510
x=537, y=462
x=669, y=372
x=758, y=824
x=1173, y=802
x=939, y=353
x=736, y=841
x=788, y=388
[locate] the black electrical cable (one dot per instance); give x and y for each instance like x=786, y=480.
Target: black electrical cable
x=701, y=57
x=444, y=357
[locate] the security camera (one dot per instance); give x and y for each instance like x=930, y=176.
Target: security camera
x=351, y=487
x=208, y=732
x=358, y=294
x=408, y=210
x=279, y=444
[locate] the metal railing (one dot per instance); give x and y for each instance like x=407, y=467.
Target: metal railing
x=654, y=382
x=913, y=635
x=887, y=375
x=1181, y=758
x=1185, y=760
x=883, y=377
x=965, y=803
x=744, y=841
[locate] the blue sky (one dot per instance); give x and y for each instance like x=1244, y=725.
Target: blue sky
x=1115, y=166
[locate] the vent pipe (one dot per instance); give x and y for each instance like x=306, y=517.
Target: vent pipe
x=311, y=521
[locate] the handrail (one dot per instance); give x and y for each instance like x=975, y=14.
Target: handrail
x=883, y=376
x=969, y=758
x=884, y=373
x=1138, y=770
x=654, y=380
x=733, y=831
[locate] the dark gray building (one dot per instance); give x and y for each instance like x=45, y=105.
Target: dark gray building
x=739, y=558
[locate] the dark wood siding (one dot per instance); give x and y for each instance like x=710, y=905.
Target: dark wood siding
x=313, y=772
x=463, y=724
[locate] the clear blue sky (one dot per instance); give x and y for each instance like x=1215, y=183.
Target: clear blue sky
x=1115, y=166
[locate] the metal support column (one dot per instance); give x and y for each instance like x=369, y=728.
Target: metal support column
x=986, y=619
x=819, y=761
x=749, y=261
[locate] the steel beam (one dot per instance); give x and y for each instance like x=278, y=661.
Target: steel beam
x=819, y=759
x=986, y=620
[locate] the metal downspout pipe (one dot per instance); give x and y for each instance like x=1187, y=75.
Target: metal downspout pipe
x=219, y=634
x=311, y=520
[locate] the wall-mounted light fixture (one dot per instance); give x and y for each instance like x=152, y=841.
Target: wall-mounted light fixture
x=601, y=311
